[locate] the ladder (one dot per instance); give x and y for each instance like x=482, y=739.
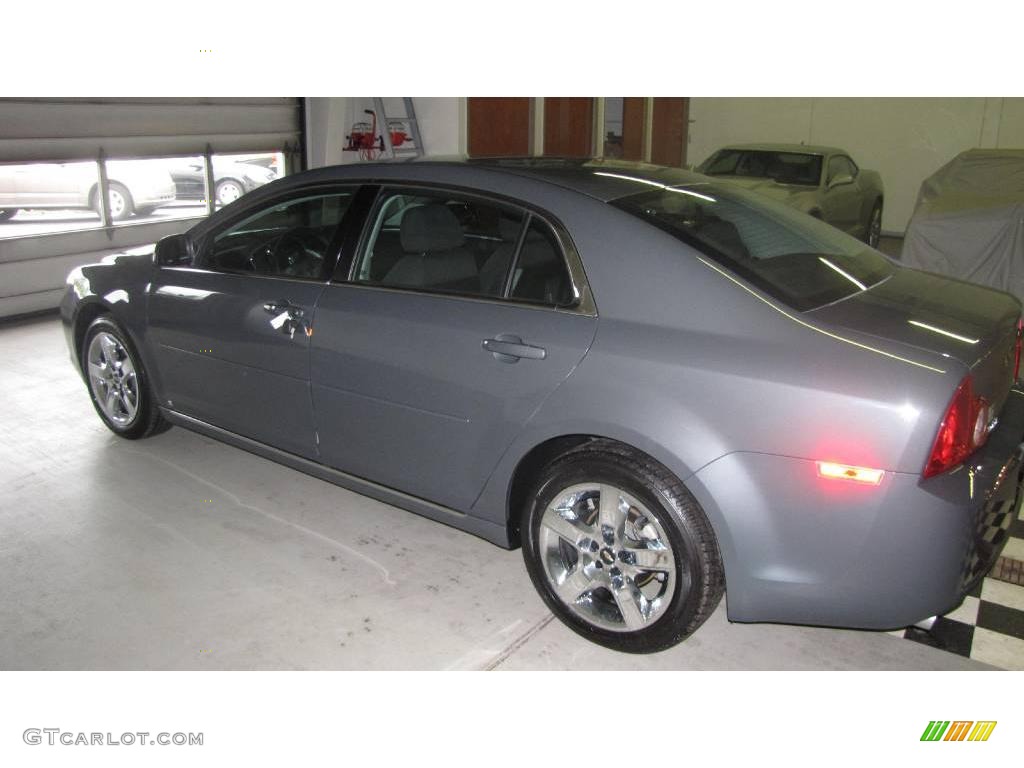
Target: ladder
x=409, y=118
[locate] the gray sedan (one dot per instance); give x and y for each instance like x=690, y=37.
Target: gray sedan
x=657, y=384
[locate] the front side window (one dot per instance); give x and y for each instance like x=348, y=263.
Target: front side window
x=290, y=239
x=840, y=166
x=792, y=256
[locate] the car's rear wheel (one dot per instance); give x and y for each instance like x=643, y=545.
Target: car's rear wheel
x=7, y=214
x=119, y=201
x=874, y=228
x=227, y=191
x=619, y=549
x=118, y=385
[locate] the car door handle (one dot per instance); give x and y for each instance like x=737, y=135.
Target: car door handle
x=286, y=317
x=279, y=307
x=510, y=349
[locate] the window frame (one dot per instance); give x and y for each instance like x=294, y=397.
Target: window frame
x=201, y=245
x=583, y=304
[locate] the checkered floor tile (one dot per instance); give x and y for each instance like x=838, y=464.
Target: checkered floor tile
x=989, y=625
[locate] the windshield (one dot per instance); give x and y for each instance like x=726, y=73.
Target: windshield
x=792, y=256
x=783, y=167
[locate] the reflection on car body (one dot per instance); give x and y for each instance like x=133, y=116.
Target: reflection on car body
x=821, y=181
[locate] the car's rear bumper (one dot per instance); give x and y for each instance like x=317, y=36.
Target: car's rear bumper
x=802, y=549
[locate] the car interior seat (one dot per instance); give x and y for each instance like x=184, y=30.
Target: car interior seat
x=435, y=254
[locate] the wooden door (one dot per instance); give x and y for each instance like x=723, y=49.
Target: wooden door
x=498, y=126
x=568, y=127
x=634, y=110
x=668, y=135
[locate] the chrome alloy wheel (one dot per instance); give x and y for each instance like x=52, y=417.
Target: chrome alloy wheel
x=875, y=228
x=607, y=557
x=113, y=379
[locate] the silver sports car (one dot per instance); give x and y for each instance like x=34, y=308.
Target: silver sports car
x=662, y=386
x=821, y=181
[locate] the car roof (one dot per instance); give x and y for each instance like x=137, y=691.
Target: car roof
x=601, y=178
x=810, y=149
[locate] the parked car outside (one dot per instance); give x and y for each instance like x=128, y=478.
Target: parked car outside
x=659, y=384
x=824, y=182
x=135, y=187
x=232, y=178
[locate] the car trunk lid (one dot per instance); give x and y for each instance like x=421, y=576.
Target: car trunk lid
x=946, y=317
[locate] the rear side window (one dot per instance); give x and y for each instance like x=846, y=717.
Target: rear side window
x=441, y=243
x=452, y=243
x=794, y=257
x=540, y=274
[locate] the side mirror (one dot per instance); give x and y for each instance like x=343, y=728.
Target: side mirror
x=840, y=179
x=173, y=251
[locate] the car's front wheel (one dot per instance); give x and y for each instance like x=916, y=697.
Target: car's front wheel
x=619, y=549
x=874, y=228
x=118, y=384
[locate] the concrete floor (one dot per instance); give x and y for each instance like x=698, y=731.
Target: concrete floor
x=178, y=552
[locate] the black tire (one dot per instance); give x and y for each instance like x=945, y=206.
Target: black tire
x=228, y=190
x=699, y=576
x=147, y=419
x=7, y=214
x=118, y=212
x=873, y=229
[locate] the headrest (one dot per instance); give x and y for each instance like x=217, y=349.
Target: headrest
x=431, y=227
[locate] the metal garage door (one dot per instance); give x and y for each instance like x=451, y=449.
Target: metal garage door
x=62, y=152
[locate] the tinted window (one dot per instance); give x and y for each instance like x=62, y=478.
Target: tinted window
x=839, y=166
x=440, y=242
x=788, y=254
x=290, y=239
x=540, y=273
x=783, y=167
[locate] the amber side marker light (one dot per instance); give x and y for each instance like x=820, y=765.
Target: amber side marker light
x=833, y=471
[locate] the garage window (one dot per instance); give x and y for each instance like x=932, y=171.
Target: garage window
x=39, y=198
x=74, y=147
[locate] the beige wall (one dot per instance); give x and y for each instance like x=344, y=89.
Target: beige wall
x=904, y=139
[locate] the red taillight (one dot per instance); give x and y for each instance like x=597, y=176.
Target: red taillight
x=964, y=428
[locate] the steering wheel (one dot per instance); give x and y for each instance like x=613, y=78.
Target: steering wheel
x=300, y=252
